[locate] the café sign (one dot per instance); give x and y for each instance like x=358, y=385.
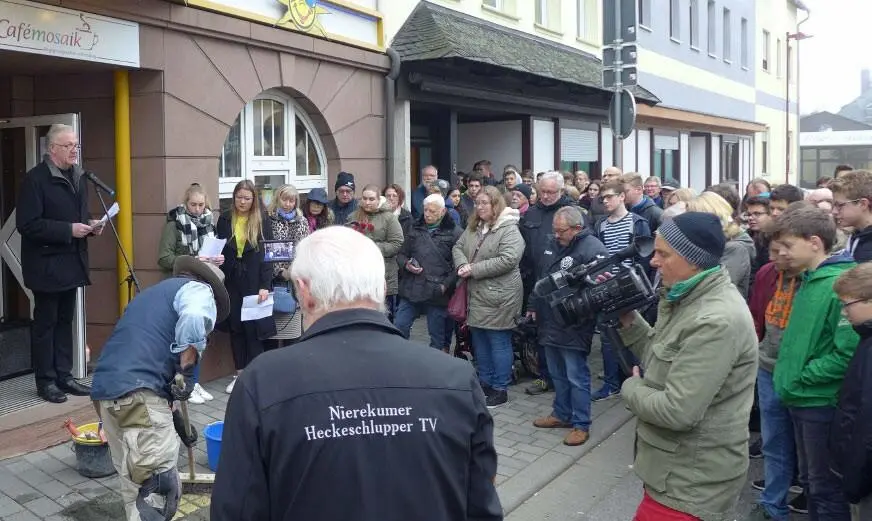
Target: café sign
x=356, y=22
x=56, y=31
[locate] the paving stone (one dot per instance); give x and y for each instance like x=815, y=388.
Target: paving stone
x=502, y=451
x=91, y=489
x=523, y=438
x=53, y=489
x=9, y=507
x=34, y=477
x=70, y=477
x=530, y=449
x=24, y=515
x=43, y=507
x=70, y=499
x=16, y=489
x=523, y=429
x=524, y=456
x=511, y=463
x=46, y=462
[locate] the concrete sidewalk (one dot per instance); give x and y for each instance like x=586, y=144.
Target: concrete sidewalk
x=45, y=485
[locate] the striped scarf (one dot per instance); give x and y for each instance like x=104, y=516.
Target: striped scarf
x=193, y=230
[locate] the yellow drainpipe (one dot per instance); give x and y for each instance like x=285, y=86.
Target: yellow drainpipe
x=123, y=185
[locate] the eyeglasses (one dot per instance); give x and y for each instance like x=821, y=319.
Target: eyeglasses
x=345, y=191
x=846, y=305
x=839, y=206
x=561, y=231
x=69, y=146
x=757, y=215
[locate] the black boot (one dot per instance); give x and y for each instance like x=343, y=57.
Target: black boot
x=71, y=386
x=50, y=393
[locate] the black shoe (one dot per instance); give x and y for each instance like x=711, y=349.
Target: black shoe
x=758, y=484
x=51, y=393
x=73, y=387
x=755, y=451
x=497, y=398
x=799, y=504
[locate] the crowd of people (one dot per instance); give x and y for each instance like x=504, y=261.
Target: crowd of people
x=762, y=317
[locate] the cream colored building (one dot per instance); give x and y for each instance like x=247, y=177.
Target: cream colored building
x=719, y=114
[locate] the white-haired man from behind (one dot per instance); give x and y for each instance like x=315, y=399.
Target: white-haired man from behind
x=355, y=397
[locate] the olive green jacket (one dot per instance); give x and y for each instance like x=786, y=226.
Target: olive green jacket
x=495, y=289
x=694, y=399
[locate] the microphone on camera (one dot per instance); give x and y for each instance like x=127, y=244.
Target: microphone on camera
x=91, y=176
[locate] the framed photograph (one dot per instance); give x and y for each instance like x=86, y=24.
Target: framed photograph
x=278, y=251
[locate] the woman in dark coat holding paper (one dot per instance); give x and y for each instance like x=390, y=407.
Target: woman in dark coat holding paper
x=245, y=272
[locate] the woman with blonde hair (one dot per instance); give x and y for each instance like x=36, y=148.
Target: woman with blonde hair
x=680, y=195
x=487, y=256
x=287, y=223
x=245, y=272
x=739, y=250
x=188, y=225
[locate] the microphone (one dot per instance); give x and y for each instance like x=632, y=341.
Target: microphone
x=98, y=183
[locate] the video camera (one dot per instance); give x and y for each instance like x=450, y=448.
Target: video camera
x=627, y=290
x=575, y=295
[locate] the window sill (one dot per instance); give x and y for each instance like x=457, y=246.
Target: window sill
x=501, y=14
x=728, y=61
x=694, y=48
x=646, y=27
x=588, y=41
x=745, y=67
x=713, y=55
x=675, y=40
x=548, y=31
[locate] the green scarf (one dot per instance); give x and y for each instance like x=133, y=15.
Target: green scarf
x=433, y=227
x=684, y=287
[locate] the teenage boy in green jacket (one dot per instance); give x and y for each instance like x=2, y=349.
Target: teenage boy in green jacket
x=815, y=350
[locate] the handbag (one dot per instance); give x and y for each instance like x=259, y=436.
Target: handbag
x=283, y=300
x=458, y=304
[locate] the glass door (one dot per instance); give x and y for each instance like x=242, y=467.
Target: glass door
x=22, y=145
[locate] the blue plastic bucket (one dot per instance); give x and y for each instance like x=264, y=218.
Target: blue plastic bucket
x=213, y=433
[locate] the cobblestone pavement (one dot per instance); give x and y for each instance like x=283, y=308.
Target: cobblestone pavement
x=45, y=485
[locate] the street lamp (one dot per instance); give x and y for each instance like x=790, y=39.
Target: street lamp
x=798, y=36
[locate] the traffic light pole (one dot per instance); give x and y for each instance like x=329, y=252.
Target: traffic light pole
x=618, y=147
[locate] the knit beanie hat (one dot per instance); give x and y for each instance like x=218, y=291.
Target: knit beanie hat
x=696, y=236
x=344, y=179
x=524, y=189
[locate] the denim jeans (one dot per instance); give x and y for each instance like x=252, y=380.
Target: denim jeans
x=779, y=448
x=571, y=376
x=439, y=326
x=826, y=501
x=542, y=360
x=196, y=378
x=492, y=352
x=611, y=367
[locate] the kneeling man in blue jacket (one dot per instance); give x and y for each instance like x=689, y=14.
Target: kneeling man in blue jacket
x=162, y=333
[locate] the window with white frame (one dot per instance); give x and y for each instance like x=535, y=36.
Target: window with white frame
x=645, y=13
x=271, y=143
x=496, y=4
x=712, y=16
x=674, y=19
x=789, y=63
x=744, y=43
x=727, y=51
x=693, y=21
x=588, y=21
x=778, y=64
x=548, y=14
x=766, y=50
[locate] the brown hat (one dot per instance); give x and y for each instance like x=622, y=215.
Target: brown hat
x=211, y=275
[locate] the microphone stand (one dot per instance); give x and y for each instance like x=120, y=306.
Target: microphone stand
x=131, y=280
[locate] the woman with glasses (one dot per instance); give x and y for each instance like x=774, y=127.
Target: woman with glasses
x=245, y=272
x=488, y=254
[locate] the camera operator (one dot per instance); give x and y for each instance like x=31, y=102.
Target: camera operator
x=566, y=348
x=700, y=360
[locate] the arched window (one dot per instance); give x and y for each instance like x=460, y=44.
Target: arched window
x=272, y=142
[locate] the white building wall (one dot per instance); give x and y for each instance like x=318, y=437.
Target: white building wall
x=684, y=146
x=499, y=141
x=643, y=146
x=696, y=163
x=543, y=146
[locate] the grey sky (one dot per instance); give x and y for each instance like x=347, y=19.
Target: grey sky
x=831, y=61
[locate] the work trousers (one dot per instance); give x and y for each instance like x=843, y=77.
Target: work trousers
x=142, y=440
x=51, y=336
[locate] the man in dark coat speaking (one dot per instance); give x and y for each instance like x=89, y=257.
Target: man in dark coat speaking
x=52, y=218
x=365, y=424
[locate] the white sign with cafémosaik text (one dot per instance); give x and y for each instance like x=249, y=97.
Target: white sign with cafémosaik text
x=55, y=31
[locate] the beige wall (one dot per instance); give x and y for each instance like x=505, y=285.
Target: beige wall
x=195, y=79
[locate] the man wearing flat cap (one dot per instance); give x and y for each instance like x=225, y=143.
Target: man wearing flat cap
x=162, y=333
x=692, y=397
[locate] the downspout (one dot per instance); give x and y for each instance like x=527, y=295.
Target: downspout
x=123, y=185
x=390, y=106
x=798, y=130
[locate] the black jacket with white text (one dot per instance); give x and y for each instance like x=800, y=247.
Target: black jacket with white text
x=355, y=422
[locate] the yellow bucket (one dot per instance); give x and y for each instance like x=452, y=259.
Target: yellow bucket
x=88, y=427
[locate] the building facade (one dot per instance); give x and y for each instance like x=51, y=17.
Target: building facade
x=828, y=140
x=165, y=94
x=714, y=75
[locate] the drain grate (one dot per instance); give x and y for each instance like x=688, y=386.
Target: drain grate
x=19, y=393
